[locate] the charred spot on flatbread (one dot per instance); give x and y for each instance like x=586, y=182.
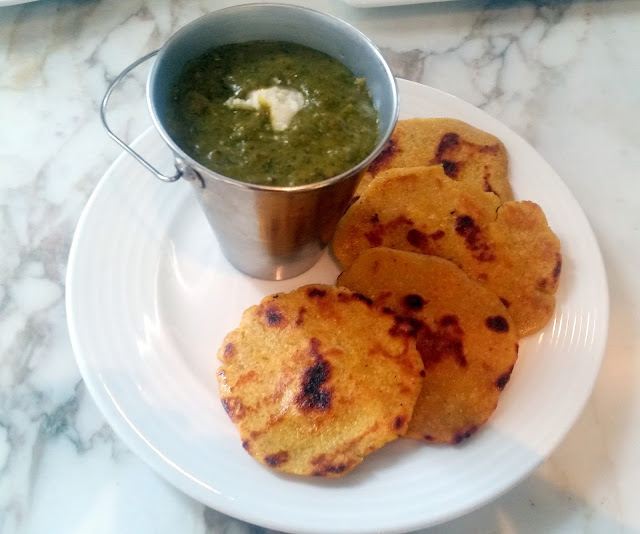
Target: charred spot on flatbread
x=467, y=364
x=508, y=247
x=466, y=154
x=318, y=378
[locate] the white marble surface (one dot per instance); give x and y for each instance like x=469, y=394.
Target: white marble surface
x=565, y=75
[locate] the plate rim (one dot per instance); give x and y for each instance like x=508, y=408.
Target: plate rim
x=140, y=446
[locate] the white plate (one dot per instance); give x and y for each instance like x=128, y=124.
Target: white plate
x=149, y=299
x=14, y=2
x=388, y=3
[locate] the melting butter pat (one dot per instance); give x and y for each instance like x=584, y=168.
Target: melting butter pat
x=283, y=104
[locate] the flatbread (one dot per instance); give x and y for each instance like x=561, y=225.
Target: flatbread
x=467, y=342
x=466, y=154
x=318, y=378
x=508, y=247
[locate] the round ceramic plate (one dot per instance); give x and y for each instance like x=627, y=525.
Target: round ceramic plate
x=14, y=2
x=150, y=298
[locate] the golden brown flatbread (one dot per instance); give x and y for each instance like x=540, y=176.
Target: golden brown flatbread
x=318, y=378
x=507, y=247
x=466, y=154
x=467, y=342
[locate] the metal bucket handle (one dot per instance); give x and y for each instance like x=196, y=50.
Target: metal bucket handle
x=103, y=113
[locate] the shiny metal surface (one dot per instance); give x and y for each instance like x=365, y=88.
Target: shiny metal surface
x=272, y=232
x=103, y=117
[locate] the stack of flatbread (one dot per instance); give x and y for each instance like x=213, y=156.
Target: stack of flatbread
x=443, y=274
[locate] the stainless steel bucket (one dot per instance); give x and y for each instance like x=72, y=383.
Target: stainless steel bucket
x=264, y=231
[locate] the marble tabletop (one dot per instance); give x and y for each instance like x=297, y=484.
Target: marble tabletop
x=563, y=74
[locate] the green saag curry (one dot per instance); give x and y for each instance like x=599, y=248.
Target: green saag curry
x=272, y=113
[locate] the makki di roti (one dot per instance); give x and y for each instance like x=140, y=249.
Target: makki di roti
x=508, y=247
x=466, y=337
x=443, y=273
x=466, y=154
x=318, y=378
